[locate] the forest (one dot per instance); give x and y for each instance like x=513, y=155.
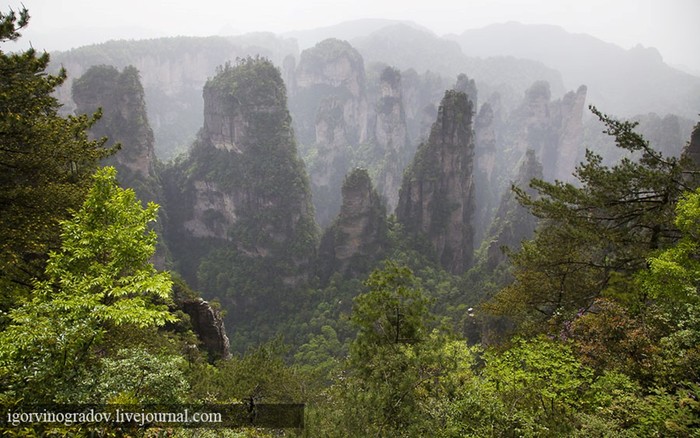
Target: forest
x=402, y=245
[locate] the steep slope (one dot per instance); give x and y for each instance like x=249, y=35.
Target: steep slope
x=436, y=198
x=240, y=206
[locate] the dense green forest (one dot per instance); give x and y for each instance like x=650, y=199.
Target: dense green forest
x=589, y=328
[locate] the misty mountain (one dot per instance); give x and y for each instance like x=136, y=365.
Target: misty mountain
x=622, y=82
x=173, y=72
x=347, y=30
x=405, y=47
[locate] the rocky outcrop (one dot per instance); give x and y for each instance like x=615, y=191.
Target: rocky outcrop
x=124, y=119
x=242, y=196
x=208, y=324
x=332, y=69
x=436, y=198
x=330, y=107
x=357, y=239
x=173, y=71
x=553, y=129
x=390, y=135
x=513, y=223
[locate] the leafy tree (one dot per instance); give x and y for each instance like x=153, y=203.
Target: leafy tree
x=99, y=283
x=46, y=161
x=402, y=374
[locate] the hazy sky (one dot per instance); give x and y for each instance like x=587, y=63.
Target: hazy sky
x=669, y=25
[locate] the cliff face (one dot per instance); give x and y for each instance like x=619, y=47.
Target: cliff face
x=332, y=69
x=436, y=198
x=390, y=135
x=357, y=239
x=124, y=119
x=240, y=203
x=553, y=129
x=330, y=116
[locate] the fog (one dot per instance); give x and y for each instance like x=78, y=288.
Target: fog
x=664, y=24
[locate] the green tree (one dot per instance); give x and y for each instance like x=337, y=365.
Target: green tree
x=402, y=374
x=46, y=161
x=98, y=285
x=595, y=237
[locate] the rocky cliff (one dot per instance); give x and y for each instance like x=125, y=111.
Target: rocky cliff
x=553, y=129
x=329, y=103
x=436, y=198
x=173, y=71
x=209, y=326
x=357, y=239
x=124, y=119
x=390, y=135
x=240, y=206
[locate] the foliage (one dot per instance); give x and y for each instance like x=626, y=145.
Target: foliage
x=595, y=237
x=46, y=160
x=99, y=281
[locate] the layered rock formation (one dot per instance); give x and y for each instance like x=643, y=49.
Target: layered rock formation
x=357, y=239
x=240, y=206
x=436, y=199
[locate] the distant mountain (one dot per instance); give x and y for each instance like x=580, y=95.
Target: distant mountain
x=406, y=47
x=621, y=82
x=347, y=30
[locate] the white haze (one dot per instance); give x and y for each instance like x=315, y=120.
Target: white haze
x=671, y=26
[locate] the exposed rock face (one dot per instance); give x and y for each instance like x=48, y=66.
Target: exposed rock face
x=554, y=129
x=513, y=222
x=331, y=69
x=124, y=119
x=486, y=156
x=209, y=326
x=436, y=198
x=330, y=107
x=242, y=196
x=358, y=236
x=391, y=135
